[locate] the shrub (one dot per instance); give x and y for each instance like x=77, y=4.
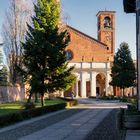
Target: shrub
x=28, y=113
x=131, y=107
x=70, y=102
x=66, y=99
x=29, y=105
x=10, y=118
x=124, y=99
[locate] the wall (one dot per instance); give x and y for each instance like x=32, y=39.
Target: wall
x=85, y=48
x=11, y=93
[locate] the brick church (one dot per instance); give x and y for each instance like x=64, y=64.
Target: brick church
x=93, y=58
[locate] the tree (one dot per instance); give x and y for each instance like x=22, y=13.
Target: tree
x=1, y=57
x=14, y=28
x=3, y=76
x=45, y=65
x=123, y=72
x=3, y=71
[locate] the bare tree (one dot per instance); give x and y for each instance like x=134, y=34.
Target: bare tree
x=14, y=28
x=65, y=17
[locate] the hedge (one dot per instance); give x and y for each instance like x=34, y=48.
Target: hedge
x=26, y=114
x=70, y=102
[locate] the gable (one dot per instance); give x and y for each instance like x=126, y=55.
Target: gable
x=85, y=48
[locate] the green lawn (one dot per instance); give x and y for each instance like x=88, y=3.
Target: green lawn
x=52, y=102
x=16, y=106
x=9, y=107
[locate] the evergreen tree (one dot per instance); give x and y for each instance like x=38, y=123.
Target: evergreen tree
x=1, y=57
x=3, y=71
x=123, y=70
x=3, y=76
x=44, y=59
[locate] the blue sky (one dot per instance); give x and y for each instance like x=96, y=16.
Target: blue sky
x=3, y=7
x=82, y=16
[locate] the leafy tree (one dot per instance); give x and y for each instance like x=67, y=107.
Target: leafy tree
x=123, y=70
x=45, y=65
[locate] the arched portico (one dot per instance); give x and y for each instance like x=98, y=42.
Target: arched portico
x=100, y=84
x=92, y=78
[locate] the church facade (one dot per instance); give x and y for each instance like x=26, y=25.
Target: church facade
x=93, y=58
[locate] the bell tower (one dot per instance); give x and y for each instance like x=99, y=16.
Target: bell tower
x=106, y=29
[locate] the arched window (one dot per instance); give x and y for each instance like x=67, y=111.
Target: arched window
x=69, y=54
x=107, y=22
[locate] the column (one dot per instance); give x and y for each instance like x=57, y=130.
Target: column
x=108, y=88
x=77, y=89
x=107, y=84
x=83, y=85
x=61, y=94
x=93, y=84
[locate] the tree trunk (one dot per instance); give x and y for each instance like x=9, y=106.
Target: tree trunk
x=36, y=98
x=29, y=99
x=123, y=91
x=42, y=100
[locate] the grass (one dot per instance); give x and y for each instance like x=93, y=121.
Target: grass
x=54, y=101
x=7, y=108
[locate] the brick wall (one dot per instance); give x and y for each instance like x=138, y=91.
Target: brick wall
x=86, y=49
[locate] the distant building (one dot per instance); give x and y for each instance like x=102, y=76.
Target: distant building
x=93, y=57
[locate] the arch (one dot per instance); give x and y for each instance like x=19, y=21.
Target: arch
x=69, y=54
x=107, y=22
x=100, y=84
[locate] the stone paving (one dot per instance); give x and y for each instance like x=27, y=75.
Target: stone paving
x=76, y=127
x=71, y=124
x=14, y=132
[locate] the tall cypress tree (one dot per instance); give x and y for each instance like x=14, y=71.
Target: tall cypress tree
x=123, y=71
x=44, y=59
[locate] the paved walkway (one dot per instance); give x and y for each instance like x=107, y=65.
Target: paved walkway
x=76, y=127
x=15, y=132
x=68, y=124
